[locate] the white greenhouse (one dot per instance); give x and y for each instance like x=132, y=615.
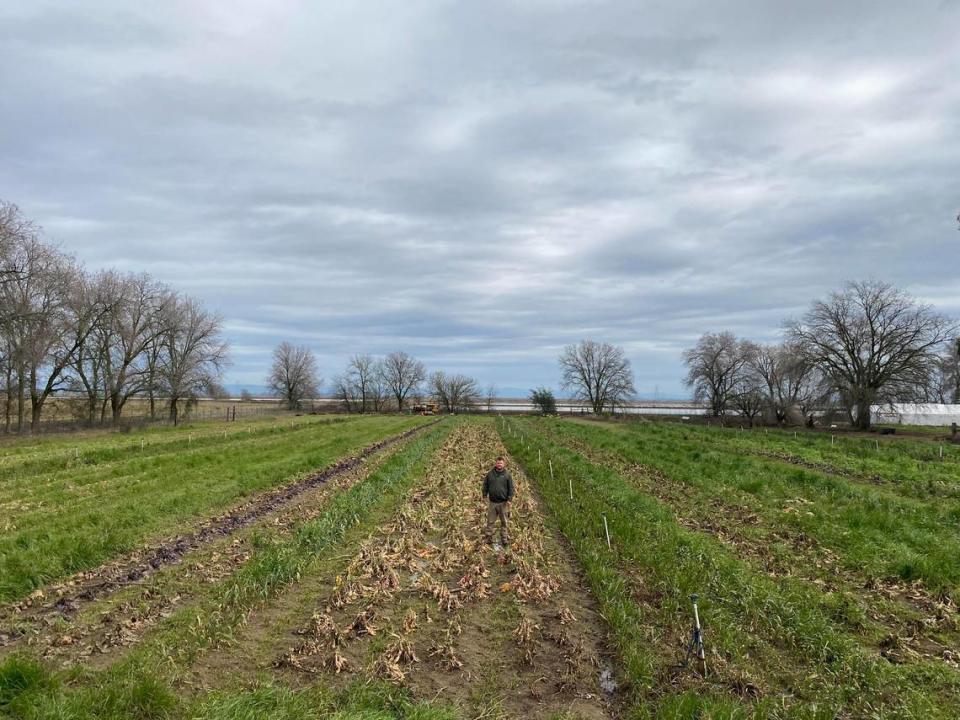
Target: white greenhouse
x=916, y=414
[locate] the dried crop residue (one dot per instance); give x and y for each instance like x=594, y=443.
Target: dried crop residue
x=920, y=625
x=427, y=604
x=215, y=550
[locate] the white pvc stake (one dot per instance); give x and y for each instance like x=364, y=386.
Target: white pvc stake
x=550, y=463
x=794, y=434
x=76, y=452
x=570, y=482
x=141, y=443
x=606, y=530
x=831, y=439
x=941, y=452
x=539, y=458
x=878, y=444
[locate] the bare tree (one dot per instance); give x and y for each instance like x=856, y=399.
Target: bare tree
x=361, y=372
x=379, y=387
x=15, y=231
x=50, y=314
x=874, y=342
x=490, y=396
x=455, y=393
x=345, y=391
x=137, y=323
x=713, y=367
x=946, y=383
x=294, y=374
x=194, y=354
x=790, y=379
x=747, y=395
x=403, y=375
x=598, y=373
x=154, y=354
x=108, y=336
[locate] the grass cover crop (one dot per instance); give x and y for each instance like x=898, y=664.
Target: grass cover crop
x=112, y=606
x=142, y=683
x=870, y=528
x=775, y=645
x=62, y=512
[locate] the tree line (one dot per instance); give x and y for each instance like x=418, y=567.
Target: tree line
x=104, y=336
x=597, y=373
x=393, y=382
x=867, y=344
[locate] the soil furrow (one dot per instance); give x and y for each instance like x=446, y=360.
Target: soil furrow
x=70, y=596
x=102, y=631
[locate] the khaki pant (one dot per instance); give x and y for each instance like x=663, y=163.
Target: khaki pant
x=498, y=510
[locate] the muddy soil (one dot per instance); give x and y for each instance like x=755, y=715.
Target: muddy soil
x=52, y=606
x=426, y=603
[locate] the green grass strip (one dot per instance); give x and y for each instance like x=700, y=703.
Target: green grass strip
x=81, y=525
x=142, y=684
x=873, y=530
x=780, y=631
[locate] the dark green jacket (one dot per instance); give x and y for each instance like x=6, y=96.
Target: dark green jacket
x=498, y=485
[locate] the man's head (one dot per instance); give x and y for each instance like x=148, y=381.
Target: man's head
x=500, y=463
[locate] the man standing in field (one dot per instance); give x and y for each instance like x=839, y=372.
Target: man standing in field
x=498, y=489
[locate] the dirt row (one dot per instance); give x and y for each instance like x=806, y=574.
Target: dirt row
x=52, y=606
x=919, y=625
x=423, y=601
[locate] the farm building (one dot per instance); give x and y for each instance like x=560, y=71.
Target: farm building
x=916, y=413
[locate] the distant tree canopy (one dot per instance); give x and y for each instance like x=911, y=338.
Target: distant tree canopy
x=403, y=375
x=867, y=344
x=106, y=336
x=714, y=367
x=293, y=375
x=454, y=392
x=874, y=344
x=543, y=400
x=597, y=373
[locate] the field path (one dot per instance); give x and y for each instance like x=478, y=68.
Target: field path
x=423, y=602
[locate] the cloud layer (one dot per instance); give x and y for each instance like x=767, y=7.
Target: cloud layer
x=481, y=183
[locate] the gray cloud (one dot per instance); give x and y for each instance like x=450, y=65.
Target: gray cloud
x=481, y=183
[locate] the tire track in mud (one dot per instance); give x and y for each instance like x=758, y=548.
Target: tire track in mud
x=83, y=589
x=100, y=635
x=908, y=638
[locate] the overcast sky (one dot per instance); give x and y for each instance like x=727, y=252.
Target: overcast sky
x=481, y=183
